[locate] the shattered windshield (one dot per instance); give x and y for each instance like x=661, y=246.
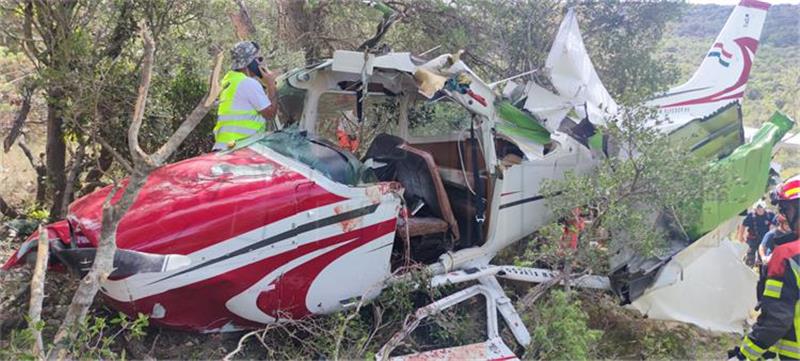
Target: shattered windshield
x=318, y=154
x=437, y=118
x=338, y=112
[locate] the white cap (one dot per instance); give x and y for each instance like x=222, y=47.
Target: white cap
x=761, y=204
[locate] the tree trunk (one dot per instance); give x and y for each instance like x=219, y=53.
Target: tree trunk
x=56, y=152
x=242, y=22
x=299, y=23
x=75, y=168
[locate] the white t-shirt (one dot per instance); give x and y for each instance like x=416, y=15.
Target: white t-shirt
x=250, y=95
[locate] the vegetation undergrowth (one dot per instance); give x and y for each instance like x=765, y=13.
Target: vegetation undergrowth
x=98, y=337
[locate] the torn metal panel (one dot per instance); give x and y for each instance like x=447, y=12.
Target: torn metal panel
x=574, y=76
x=706, y=284
x=492, y=349
x=547, y=106
x=750, y=163
x=635, y=275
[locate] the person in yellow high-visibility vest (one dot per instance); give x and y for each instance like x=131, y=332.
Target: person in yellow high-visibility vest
x=244, y=107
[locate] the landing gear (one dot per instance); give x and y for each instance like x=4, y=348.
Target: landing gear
x=496, y=301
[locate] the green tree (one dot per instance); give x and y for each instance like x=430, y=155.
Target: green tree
x=509, y=37
x=647, y=191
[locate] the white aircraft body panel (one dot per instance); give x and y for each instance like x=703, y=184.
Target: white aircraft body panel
x=706, y=284
x=523, y=209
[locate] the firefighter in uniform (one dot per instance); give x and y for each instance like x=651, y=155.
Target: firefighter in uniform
x=777, y=330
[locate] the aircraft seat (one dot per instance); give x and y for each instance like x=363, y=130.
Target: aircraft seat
x=424, y=192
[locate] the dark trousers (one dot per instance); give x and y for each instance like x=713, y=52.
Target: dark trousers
x=752, y=252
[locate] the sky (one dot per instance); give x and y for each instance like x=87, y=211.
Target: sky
x=734, y=2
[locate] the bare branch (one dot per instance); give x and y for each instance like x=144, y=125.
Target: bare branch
x=240, y=344
x=101, y=267
x=194, y=118
x=28, y=154
x=117, y=156
x=28, y=46
x=113, y=212
x=144, y=86
x=37, y=293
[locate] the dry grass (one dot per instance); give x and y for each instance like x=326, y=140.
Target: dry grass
x=629, y=336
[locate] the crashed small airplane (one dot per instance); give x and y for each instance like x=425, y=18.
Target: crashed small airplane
x=291, y=225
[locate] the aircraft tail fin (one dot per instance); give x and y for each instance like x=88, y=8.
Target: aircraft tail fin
x=723, y=74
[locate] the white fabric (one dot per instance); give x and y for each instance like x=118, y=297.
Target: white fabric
x=250, y=95
x=573, y=75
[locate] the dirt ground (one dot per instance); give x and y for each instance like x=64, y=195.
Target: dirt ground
x=17, y=176
x=627, y=335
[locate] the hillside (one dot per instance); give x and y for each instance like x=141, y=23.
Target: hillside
x=782, y=28
x=775, y=78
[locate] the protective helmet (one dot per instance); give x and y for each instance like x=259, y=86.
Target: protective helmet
x=243, y=53
x=788, y=190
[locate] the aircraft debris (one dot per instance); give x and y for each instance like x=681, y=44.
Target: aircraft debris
x=290, y=225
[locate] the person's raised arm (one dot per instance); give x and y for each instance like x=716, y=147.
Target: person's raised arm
x=268, y=81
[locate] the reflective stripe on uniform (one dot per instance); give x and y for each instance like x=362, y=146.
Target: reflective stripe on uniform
x=234, y=125
x=773, y=288
x=235, y=129
x=792, y=191
x=242, y=116
x=220, y=146
x=750, y=349
x=788, y=348
x=791, y=349
x=251, y=123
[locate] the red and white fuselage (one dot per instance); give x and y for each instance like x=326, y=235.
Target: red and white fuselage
x=264, y=236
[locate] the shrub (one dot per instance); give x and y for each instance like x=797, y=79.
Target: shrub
x=561, y=331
